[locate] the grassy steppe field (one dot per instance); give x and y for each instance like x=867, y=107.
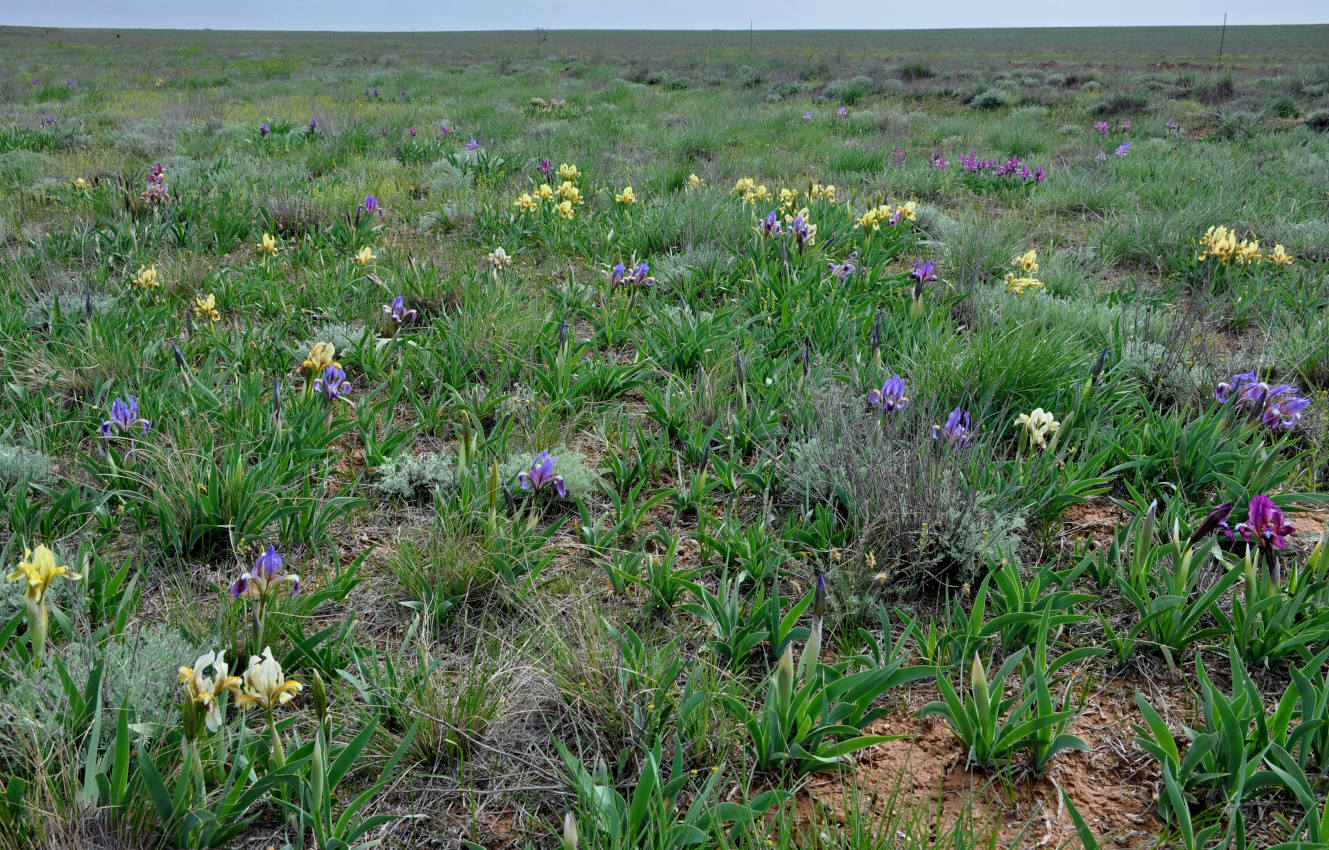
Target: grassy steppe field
x=625, y=440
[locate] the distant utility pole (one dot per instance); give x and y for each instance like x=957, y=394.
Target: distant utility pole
x=749, y=35
x=1221, y=36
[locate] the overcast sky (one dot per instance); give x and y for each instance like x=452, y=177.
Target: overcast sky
x=404, y=15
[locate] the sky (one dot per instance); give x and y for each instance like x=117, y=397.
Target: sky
x=426, y=15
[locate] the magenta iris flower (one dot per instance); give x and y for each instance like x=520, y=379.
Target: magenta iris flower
x=1103, y=127
x=897, y=155
x=956, y=432
x=542, y=475
x=937, y=161
x=1265, y=524
x=891, y=396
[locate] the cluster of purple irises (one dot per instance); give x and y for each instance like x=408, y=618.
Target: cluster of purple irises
x=842, y=271
x=637, y=276
x=1011, y=168
x=1265, y=524
x=1275, y=407
x=957, y=432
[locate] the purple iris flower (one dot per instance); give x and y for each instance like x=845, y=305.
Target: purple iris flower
x=1171, y=126
x=268, y=572
x=956, y=432
x=366, y=92
x=842, y=111
x=472, y=145
x=410, y=131
x=807, y=116
x=372, y=206
x=641, y=275
x=70, y=84
x=313, y=124
x=802, y=232
x=1276, y=407
x=375, y=92
x=1265, y=523
x=547, y=167
x=397, y=311
x=402, y=93
x=770, y=225
x=937, y=161
x=1122, y=149
x=49, y=119
x=36, y=80
x=542, y=474
x=897, y=155
x=1125, y=125
x=922, y=272
x=616, y=275
x=332, y=384
x=124, y=416
x=264, y=129
x=845, y=269
x=383, y=131
x=1103, y=127
x=1282, y=408
x=891, y=396
x=1101, y=156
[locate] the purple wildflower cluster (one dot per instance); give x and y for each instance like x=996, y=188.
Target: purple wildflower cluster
x=637, y=276
x=842, y=271
x=922, y=272
x=1011, y=168
x=1103, y=127
x=1275, y=407
x=372, y=206
x=937, y=161
x=956, y=433
x=158, y=192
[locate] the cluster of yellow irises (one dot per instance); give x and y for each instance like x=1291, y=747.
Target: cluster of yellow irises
x=1221, y=244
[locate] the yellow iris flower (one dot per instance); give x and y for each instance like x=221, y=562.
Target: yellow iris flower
x=626, y=197
x=321, y=356
x=546, y=192
x=39, y=569
x=206, y=690
x=1279, y=256
x=525, y=202
x=564, y=209
x=206, y=308
x=788, y=197
x=568, y=172
x=693, y=181
x=1038, y=425
x=744, y=186
x=1019, y=285
x=81, y=184
x=568, y=191
x=268, y=245
x=264, y=685
x=147, y=278
x=365, y=257
x=1028, y=262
